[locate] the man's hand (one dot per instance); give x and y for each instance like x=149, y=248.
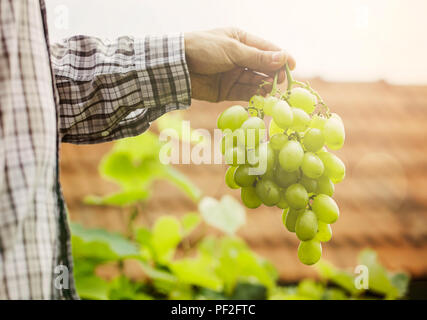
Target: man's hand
x=229, y=64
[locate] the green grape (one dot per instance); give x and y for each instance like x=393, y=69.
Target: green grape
x=284, y=178
x=303, y=99
x=301, y=120
x=291, y=155
x=306, y=225
x=263, y=157
x=282, y=114
x=257, y=101
x=313, y=140
x=268, y=192
x=290, y=219
x=324, y=232
x=226, y=141
x=273, y=128
x=239, y=137
x=270, y=157
x=317, y=122
x=249, y=197
x=242, y=177
x=325, y=186
x=309, y=252
x=334, y=167
x=284, y=214
x=232, y=118
x=232, y=139
x=309, y=184
x=253, y=112
x=334, y=132
x=235, y=156
x=278, y=141
x=269, y=103
x=325, y=208
x=254, y=129
x=296, y=196
x=229, y=178
x=282, y=204
x=312, y=166
x=269, y=174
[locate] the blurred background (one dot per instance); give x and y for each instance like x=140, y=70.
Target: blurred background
x=366, y=59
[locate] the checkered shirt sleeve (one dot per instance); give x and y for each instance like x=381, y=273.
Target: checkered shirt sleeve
x=114, y=90
x=81, y=90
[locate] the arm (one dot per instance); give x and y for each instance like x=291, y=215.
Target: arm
x=111, y=91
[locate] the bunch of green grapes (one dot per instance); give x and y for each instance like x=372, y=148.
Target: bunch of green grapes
x=293, y=169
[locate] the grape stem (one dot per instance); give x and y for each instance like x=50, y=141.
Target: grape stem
x=292, y=82
x=274, y=87
x=259, y=112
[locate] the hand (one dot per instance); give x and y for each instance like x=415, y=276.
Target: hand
x=230, y=64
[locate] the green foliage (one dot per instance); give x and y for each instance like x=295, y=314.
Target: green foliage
x=338, y=277
x=190, y=221
x=122, y=198
x=174, y=123
x=134, y=164
x=166, y=235
x=221, y=267
x=382, y=282
x=99, y=244
x=91, y=287
x=227, y=215
x=198, y=271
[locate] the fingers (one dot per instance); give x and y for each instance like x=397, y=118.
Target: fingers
x=252, y=77
x=282, y=75
x=251, y=40
x=243, y=84
x=254, y=41
x=258, y=60
x=240, y=85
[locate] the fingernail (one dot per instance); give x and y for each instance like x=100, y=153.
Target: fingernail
x=277, y=57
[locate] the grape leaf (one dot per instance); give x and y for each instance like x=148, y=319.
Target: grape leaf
x=166, y=235
x=190, y=222
x=310, y=289
x=101, y=244
x=139, y=148
x=339, y=277
x=239, y=263
x=120, y=168
x=197, y=271
x=123, y=198
x=92, y=287
x=379, y=279
x=182, y=182
x=175, y=122
x=400, y=281
x=227, y=215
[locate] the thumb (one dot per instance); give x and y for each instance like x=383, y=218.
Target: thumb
x=258, y=60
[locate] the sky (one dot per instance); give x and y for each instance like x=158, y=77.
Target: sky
x=336, y=40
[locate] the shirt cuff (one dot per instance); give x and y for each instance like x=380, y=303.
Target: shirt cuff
x=163, y=76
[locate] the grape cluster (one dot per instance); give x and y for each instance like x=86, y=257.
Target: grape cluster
x=293, y=170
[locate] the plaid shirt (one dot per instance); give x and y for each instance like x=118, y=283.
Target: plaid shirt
x=80, y=91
